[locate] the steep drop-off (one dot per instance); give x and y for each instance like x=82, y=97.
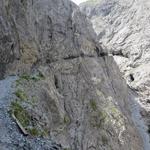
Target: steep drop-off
x=67, y=89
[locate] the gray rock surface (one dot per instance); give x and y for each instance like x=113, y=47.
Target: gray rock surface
x=42, y=32
x=123, y=28
x=11, y=137
x=135, y=108
x=72, y=88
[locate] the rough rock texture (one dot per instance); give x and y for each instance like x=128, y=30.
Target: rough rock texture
x=35, y=32
x=11, y=137
x=123, y=27
x=68, y=87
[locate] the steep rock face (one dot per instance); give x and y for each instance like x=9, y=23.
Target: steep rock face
x=32, y=32
x=72, y=91
x=123, y=27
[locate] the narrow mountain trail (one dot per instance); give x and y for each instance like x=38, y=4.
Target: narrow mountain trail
x=6, y=125
x=10, y=135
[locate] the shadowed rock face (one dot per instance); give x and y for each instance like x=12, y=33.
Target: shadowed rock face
x=82, y=101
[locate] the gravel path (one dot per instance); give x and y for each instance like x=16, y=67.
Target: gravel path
x=10, y=136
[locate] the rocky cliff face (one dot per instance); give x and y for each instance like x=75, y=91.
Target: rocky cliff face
x=123, y=27
x=67, y=88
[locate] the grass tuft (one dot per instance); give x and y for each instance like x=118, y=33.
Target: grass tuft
x=25, y=77
x=33, y=131
x=20, y=113
x=21, y=95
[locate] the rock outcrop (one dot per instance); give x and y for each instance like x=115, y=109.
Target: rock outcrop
x=67, y=88
x=123, y=27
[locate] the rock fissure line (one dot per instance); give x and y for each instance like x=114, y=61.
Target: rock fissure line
x=71, y=57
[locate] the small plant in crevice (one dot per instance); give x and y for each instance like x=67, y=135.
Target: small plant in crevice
x=93, y=105
x=66, y=120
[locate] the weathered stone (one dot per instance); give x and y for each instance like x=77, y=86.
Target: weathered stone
x=122, y=27
x=81, y=100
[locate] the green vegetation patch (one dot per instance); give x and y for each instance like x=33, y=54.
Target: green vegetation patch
x=20, y=113
x=21, y=95
x=25, y=77
x=23, y=100
x=33, y=131
x=26, y=120
x=36, y=77
x=93, y=105
x=18, y=82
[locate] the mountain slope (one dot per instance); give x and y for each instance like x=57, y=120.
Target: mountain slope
x=68, y=88
x=123, y=28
